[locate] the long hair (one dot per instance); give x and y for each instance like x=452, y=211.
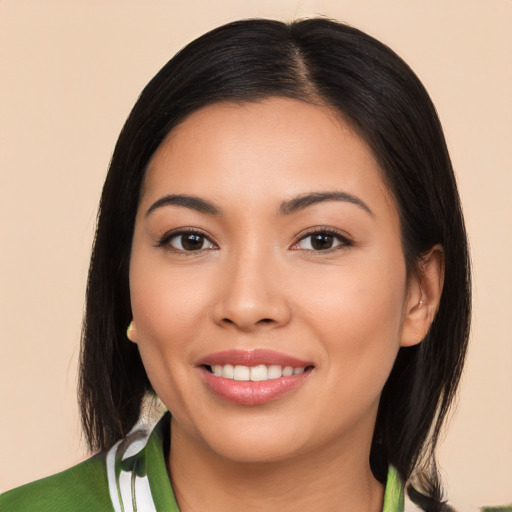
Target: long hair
x=323, y=62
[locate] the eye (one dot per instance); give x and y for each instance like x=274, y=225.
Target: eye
x=186, y=241
x=322, y=240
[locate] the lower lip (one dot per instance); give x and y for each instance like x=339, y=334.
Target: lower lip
x=252, y=392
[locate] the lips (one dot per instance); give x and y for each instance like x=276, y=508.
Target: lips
x=253, y=377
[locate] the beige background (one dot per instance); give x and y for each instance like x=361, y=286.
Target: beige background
x=69, y=73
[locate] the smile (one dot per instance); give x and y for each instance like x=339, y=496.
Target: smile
x=254, y=373
x=253, y=377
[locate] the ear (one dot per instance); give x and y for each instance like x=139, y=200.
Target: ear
x=424, y=295
x=131, y=332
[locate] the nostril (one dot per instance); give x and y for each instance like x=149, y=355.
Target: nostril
x=262, y=321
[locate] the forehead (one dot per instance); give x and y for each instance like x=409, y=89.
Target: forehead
x=258, y=150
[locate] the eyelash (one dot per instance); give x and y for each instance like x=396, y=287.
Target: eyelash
x=343, y=240
x=165, y=241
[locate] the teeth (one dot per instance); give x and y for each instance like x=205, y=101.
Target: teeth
x=275, y=371
x=241, y=373
x=259, y=372
x=254, y=373
x=228, y=371
x=287, y=371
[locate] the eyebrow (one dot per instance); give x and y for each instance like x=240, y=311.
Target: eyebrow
x=186, y=201
x=287, y=207
x=306, y=200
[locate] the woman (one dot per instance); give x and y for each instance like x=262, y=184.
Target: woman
x=281, y=258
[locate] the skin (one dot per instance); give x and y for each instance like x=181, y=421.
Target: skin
x=257, y=284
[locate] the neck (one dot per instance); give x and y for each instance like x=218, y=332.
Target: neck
x=335, y=479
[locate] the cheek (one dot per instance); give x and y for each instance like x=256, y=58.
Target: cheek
x=166, y=323
x=166, y=304
x=165, y=301
x=357, y=313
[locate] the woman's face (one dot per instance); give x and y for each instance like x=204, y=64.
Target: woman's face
x=267, y=280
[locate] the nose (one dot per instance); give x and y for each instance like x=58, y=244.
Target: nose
x=252, y=294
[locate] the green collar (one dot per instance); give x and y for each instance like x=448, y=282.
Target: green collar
x=394, y=493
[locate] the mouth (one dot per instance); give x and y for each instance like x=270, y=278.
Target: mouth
x=255, y=377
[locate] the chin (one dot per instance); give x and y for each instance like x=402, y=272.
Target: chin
x=254, y=440
x=257, y=451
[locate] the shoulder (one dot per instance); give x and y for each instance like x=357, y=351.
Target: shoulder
x=132, y=471
x=82, y=488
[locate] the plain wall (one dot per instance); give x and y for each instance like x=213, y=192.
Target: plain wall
x=69, y=74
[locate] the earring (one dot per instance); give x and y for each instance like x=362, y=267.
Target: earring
x=130, y=330
x=420, y=303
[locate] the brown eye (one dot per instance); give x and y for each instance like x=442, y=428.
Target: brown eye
x=321, y=241
x=190, y=242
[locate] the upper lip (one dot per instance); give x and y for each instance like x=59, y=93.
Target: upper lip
x=252, y=358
